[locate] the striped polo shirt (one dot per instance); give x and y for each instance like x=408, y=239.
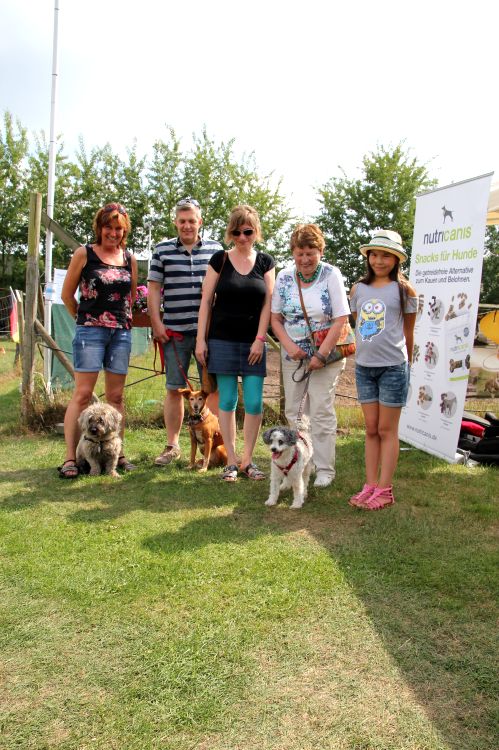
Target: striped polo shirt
x=181, y=274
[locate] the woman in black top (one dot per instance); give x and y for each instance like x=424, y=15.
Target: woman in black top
x=106, y=275
x=243, y=280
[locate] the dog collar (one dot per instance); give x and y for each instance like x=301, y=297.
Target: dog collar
x=286, y=469
x=196, y=418
x=107, y=440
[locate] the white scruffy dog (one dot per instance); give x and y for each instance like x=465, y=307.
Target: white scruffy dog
x=291, y=463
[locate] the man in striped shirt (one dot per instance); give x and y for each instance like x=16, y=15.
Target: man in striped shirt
x=179, y=266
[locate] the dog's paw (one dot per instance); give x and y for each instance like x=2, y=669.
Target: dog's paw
x=94, y=472
x=190, y=467
x=271, y=501
x=296, y=504
x=202, y=469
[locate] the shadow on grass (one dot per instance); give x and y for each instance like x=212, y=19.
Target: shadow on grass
x=424, y=571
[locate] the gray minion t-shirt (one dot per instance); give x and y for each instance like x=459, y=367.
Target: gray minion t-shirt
x=379, y=328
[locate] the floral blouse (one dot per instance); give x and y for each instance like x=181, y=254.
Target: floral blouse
x=105, y=293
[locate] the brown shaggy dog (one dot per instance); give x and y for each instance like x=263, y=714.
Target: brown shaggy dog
x=100, y=441
x=205, y=432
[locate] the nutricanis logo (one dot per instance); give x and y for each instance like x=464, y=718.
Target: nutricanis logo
x=447, y=235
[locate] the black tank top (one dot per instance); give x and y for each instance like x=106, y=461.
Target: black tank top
x=105, y=293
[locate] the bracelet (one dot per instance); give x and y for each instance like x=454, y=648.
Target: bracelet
x=260, y=338
x=320, y=357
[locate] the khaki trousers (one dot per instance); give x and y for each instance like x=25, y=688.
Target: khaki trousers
x=318, y=415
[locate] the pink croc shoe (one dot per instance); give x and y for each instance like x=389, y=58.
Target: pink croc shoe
x=358, y=500
x=381, y=498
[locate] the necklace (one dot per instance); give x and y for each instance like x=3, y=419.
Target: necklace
x=314, y=276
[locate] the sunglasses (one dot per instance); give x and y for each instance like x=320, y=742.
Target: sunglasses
x=114, y=207
x=239, y=232
x=188, y=202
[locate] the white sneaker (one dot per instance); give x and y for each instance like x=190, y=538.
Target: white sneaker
x=323, y=480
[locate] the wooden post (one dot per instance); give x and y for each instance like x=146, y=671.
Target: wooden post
x=32, y=277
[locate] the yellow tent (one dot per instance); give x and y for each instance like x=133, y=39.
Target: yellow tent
x=493, y=208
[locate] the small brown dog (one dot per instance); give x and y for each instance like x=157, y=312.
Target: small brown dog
x=205, y=432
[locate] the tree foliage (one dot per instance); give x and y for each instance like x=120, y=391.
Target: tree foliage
x=148, y=187
x=14, y=147
x=490, y=272
x=383, y=197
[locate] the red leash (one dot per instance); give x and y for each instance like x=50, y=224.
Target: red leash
x=172, y=335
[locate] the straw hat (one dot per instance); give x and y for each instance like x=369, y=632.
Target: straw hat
x=385, y=239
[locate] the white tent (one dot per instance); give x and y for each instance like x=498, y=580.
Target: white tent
x=493, y=207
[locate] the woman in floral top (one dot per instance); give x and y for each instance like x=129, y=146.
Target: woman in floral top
x=106, y=275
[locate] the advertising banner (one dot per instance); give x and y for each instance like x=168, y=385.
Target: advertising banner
x=446, y=269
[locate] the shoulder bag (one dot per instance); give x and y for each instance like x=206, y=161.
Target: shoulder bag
x=345, y=346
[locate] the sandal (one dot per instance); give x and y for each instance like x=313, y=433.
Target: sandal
x=229, y=474
x=69, y=469
x=381, y=498
x=125, y=465
x=253, y=472
x=358, y=500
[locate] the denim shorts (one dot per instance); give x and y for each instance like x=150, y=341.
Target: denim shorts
x=96, y=348
x=387, y=385
x=231, y=358
x=179, y=350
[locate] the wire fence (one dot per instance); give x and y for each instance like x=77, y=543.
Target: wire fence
x=5, y=308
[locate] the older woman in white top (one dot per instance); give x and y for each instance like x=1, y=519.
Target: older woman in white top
x=327, y=308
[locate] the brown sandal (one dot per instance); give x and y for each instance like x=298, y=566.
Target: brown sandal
x=69, y=469
x=125, y=465
x=253, y=472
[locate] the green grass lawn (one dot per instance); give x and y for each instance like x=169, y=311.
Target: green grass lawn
x=170, y=610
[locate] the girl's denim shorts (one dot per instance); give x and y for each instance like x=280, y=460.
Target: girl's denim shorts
x=387, y=385
x=231, y=358
x=96, y=348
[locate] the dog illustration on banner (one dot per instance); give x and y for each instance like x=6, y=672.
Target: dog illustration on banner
x=447, y=213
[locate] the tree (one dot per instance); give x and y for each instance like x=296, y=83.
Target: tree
x=208, y=171
x=38, y=162
x=384, y=197
x=490, y=272
x=211, y=173
x=164, y=182
x=14, y=148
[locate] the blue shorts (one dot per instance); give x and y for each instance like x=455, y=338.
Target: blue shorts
x=387, y=385
x=231, y=358
x=96, y=348
x=176, y=351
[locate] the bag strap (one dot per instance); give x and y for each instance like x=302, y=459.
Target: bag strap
x=208, y=322
x=305, y=315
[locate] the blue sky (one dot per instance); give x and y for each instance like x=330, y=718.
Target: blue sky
x=308, y=87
